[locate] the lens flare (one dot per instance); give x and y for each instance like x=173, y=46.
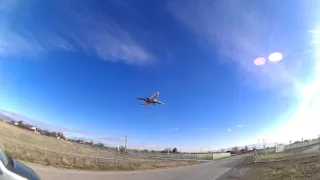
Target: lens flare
x=275, y=57
x=259, y=61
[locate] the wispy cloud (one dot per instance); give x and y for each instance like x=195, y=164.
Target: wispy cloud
x=176, y=129
x=80, y=28
x=243, y=31
x=242, y=125
x=201, y=129
x=229, y=130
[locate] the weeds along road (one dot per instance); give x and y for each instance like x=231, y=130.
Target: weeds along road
x=205, y=171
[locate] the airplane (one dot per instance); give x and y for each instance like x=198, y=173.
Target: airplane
x=151, y=100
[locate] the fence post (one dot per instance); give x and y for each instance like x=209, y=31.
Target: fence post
x=265, y=154
x=96, y=156
x=319, y=140
x=45, y=153
x=17, y=144
x=277, y=150
x=290, y=147
x=18, y=136
x=255, y=156
x=72, y=154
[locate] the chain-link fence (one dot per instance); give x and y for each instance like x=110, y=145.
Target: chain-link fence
x=278, y=151
x=181, y=155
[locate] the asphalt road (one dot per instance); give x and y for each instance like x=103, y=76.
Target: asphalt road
x=205, y=171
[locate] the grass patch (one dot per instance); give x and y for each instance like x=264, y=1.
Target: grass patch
x=30, y=147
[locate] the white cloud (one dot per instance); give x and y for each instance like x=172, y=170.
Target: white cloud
x=12, y=43
x=229, y=130
x=241, y=31
x=241, y=125
x=92, y=32
x=176, y=129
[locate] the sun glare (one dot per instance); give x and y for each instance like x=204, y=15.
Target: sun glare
x=304, y=122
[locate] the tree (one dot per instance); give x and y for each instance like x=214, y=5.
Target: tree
x=122, y=149
x=174, y=150
x=222, y=150
x=99, y=145
x=145, y=150
x=235, y=150
x=90, y=143
x=20, y=122
x=53, y=134
x=246, y=148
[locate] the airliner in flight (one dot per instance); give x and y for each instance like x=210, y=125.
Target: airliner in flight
x=151, y=100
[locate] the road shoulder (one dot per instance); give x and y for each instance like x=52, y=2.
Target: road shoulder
x=238, y=170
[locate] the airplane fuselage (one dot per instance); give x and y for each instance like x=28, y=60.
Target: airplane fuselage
x=154, y=101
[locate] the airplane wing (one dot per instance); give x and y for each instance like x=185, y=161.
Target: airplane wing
x=143, y=99
x=154, y=96
x=158, y=102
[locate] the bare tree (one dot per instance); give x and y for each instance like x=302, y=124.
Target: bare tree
x=222, y=150
x=122, y=149
x=235, y=149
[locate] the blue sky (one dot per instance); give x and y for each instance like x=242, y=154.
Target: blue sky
x=81, y=64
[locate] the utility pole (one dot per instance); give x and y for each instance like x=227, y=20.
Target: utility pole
x=125, y=144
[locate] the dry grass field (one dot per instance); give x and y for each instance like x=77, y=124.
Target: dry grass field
x=300, y=167
x=28, y=146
